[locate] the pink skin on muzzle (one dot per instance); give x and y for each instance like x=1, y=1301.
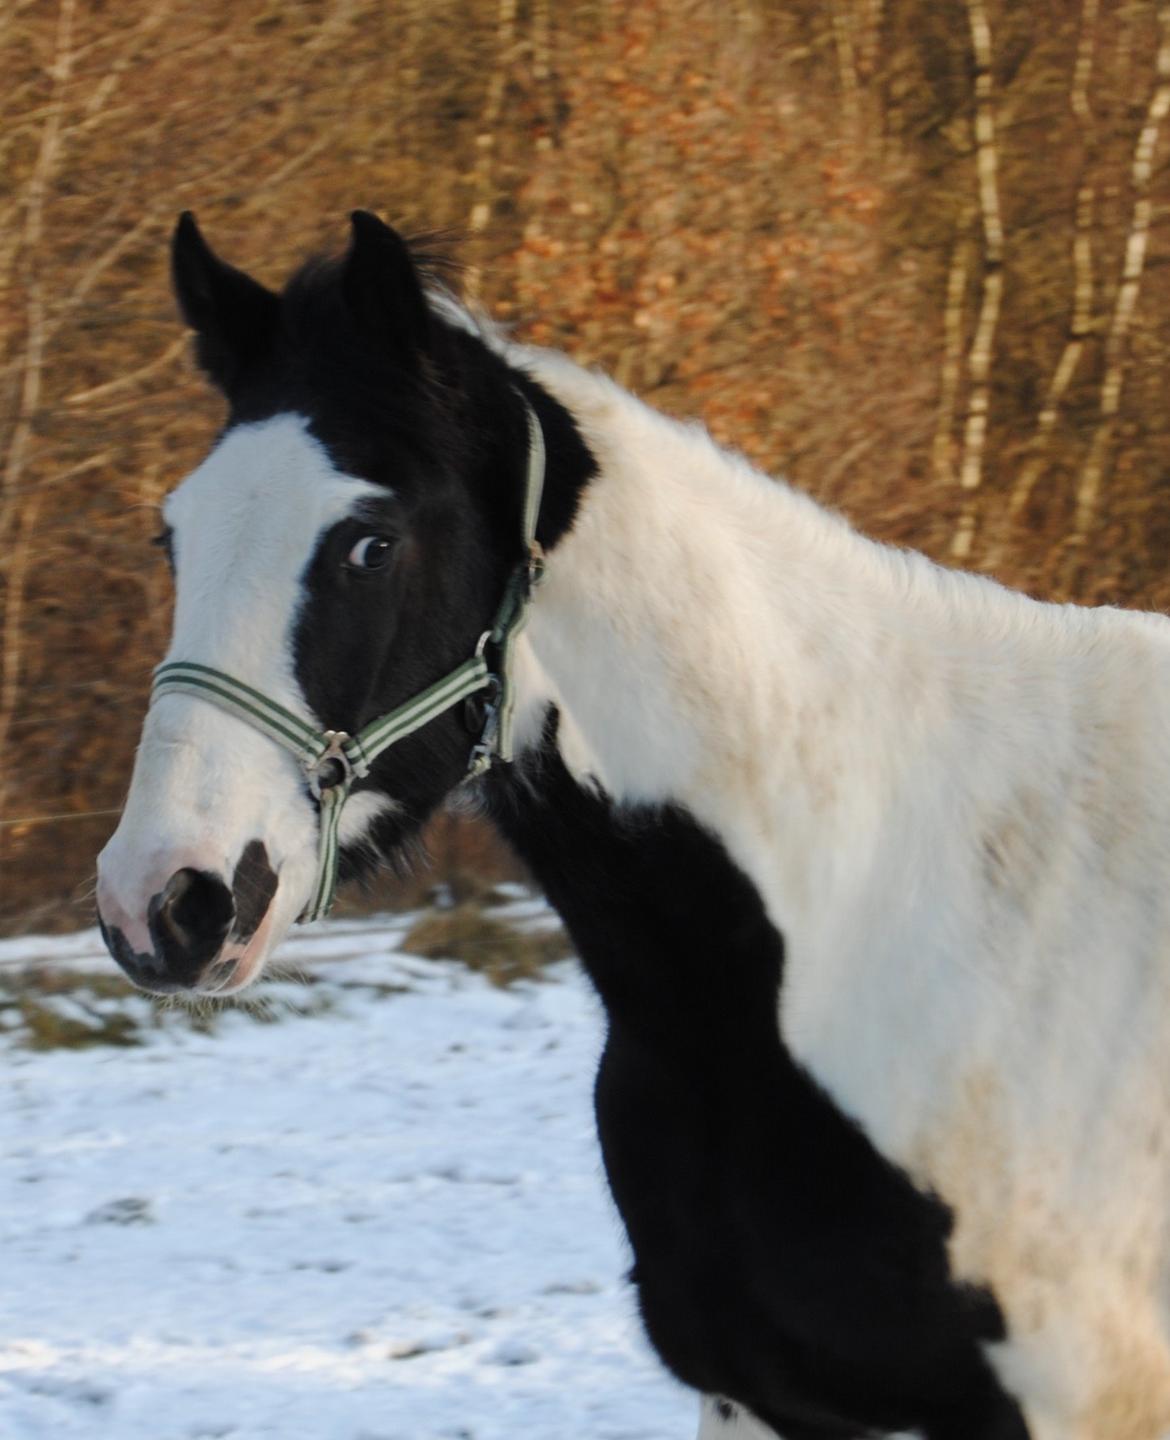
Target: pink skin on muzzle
x=186, y=928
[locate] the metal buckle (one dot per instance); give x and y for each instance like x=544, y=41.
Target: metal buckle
x=483, y=752
x=333, y=754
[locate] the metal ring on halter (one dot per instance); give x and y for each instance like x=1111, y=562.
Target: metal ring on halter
x=334, y=754
x=479, y=761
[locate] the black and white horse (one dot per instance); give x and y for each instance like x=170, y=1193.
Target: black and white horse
x=869, y=861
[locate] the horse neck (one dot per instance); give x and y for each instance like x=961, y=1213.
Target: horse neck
x=710, y=637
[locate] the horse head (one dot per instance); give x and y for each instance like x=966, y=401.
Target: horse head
x=344, y=547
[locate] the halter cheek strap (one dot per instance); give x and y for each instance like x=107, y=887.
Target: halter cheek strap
x=331, y=759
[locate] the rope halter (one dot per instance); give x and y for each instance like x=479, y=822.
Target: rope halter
x=332, y=759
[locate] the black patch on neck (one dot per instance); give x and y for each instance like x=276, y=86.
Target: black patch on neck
x=780, y=1260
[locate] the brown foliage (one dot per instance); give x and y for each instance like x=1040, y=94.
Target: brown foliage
x=911, y=253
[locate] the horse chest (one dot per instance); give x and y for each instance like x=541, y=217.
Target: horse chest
x=779, y=1259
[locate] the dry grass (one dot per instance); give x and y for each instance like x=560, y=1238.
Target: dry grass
x=56, y=1007
x=97, y=1009
x=912, y=253
x=501, y=950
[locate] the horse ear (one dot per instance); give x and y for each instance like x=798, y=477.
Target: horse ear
x=232, y=314
x=382, y=286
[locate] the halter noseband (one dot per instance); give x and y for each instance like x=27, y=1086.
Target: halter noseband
x=333, y=760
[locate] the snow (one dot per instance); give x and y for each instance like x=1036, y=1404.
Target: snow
x=373, y=1211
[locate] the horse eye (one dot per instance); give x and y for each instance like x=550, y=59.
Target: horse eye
x=370, y=553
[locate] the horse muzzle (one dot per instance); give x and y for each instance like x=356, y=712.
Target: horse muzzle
x=196, y=931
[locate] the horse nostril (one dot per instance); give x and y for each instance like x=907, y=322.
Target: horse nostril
x=189, y=921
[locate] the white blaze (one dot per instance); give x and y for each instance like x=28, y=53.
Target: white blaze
x=245, y=525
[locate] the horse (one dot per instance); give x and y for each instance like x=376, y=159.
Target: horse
x=867, y=859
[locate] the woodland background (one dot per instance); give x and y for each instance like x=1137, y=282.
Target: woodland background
x=912, y=254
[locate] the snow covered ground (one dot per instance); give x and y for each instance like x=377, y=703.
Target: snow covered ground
x=378, y=1216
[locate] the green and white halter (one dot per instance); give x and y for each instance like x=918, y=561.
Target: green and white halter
x=331, y=759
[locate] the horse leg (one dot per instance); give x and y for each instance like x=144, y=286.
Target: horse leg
x=721, y=1420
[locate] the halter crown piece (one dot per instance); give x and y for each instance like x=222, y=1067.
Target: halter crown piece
x=333, y=760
